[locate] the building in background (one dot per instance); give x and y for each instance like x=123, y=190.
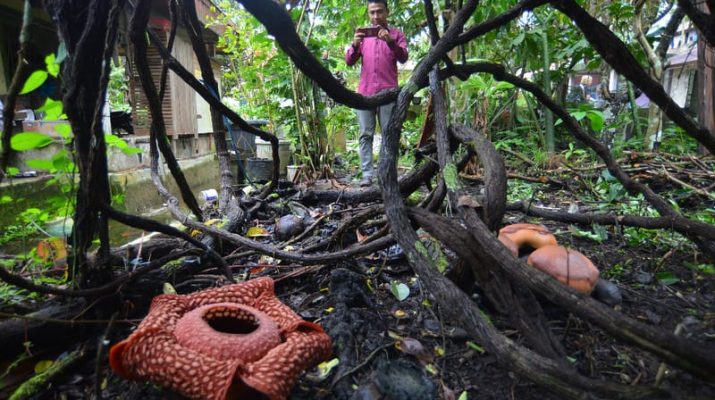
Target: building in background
x=187, y=116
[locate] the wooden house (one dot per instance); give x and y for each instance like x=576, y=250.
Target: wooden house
x=187, y=116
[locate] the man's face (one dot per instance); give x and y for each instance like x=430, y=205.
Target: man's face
x=378, y=14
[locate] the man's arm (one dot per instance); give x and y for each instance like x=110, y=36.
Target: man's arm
x=352, y=55
x=399, y=47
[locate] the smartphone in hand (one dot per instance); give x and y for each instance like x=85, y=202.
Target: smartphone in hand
x=369, y=31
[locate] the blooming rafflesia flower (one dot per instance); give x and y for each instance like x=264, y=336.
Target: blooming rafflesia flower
x=237, y=341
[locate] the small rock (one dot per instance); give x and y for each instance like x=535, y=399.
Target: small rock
x=653, y=317
x=644, y=278
x=288, y=226
x=690, y=321
x=402, y=380
x=607, y=292
x=432, y=326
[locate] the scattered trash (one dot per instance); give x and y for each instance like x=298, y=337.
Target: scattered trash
x=26, y=174
x=209, y=195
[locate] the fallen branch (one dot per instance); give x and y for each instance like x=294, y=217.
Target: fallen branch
x=38, y=382
x=687, y=228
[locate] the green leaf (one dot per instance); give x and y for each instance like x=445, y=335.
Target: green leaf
x=29, y=140
x=503, y=86
x=168, y=288
x=475, y=347
x=52, y=109
x=43, y=366
x=44, y=165
x=594, y=64
x=706, y=268
x=325, y=367
x=131, y=150
x=518, y=39
x=399, y=290
x=52, y=67
x=62, y=162
x=35, y=80
x=578, y=115
x=113, y=140
x=597, y=120
x=12, y=171
x=463, y=396
x=65, y=130
x=599, y=235
x=667, y=278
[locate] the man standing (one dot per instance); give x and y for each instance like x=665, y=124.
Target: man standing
x=380, y=54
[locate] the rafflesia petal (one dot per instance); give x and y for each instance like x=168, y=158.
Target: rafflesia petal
x=221, y=343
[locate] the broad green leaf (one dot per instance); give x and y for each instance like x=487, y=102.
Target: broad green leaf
x=667, y=278
x=399, y=290
x=597, y=236
x=52, y=109
x=703, y=268
x=463, y=396
x=35, y=80
x=579, y=115
x=131, y=150
x=65, y=130
x=503, y=86
x=518, y=39
x=29, y=140
x=62, y=162
x=43, y=165
x=597, y=120
x=113, y=140
x=52, y=67
x=594, y=64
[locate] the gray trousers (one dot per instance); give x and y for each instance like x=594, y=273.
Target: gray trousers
x=366, y=120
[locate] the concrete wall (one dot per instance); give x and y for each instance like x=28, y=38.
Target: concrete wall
x=185, y=147
x=678, y=83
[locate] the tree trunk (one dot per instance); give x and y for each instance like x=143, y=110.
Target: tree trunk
x=706, y=88
x=653, y=134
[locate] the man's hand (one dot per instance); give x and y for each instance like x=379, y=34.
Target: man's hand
x=384, y=34
x=357, y=39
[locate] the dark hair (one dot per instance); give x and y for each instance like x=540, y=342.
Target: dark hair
x=379, y=1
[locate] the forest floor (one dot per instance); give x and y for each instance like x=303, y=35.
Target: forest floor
x=404, y=350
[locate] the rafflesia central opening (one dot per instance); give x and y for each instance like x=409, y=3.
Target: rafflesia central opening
x=237, y=322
